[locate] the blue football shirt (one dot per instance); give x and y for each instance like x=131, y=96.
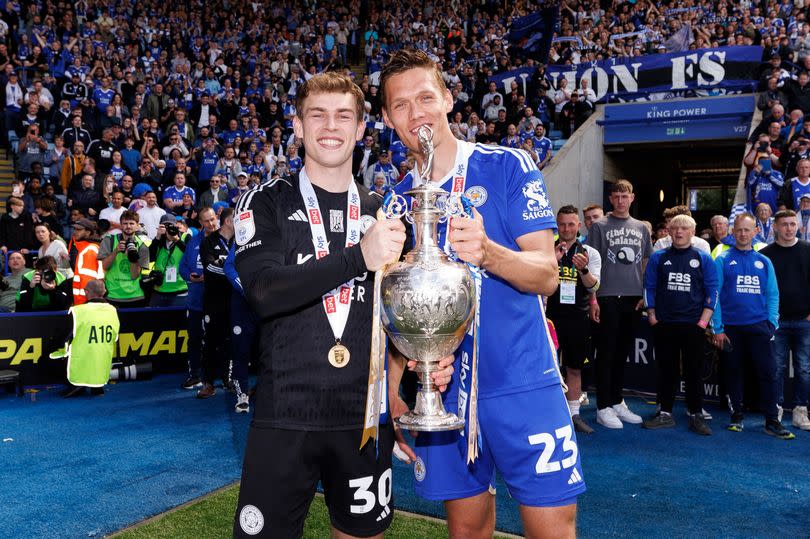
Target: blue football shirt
x=508, y=190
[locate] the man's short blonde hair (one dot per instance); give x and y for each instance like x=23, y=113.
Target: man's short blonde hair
x=683, y=221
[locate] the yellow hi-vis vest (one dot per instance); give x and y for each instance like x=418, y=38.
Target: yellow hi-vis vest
x=90, y=353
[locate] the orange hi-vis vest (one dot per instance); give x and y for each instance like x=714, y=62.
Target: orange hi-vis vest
x=88, y=267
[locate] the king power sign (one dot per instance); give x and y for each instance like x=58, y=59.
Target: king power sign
x=729, y=68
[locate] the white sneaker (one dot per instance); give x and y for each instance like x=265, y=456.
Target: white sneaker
x=800, y=419
x=625, y=414
x=779, y=412
x=607, y=418
x=242, y=404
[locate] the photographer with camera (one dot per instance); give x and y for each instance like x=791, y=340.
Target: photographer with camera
x=123, y=256
x=798, y=149
x=167, y=251
x=760, y=150
x=10, y=284
x=763, y=180
x=44, y=288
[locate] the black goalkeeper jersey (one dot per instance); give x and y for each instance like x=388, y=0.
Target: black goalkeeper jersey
x=284, y=283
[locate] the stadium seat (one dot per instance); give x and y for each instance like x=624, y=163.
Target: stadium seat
x=558, y=143
x=555, y=135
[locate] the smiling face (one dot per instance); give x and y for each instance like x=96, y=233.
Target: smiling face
x=413, y=99
x=330, y=127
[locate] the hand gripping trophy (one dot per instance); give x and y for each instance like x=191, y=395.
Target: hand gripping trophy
x=428, y=301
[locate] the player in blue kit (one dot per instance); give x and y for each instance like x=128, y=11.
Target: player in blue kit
x=526, y=430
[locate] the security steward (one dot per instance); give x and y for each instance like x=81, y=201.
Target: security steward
x=580, y=268
x=91, y=348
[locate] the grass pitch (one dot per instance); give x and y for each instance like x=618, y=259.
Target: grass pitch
x=212, y=518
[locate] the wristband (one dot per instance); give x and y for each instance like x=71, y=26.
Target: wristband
x=593, y=301
x=702, y=324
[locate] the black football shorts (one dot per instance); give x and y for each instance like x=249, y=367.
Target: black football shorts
x=281, y=473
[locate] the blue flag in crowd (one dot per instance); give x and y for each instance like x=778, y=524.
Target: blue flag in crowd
x=680, y=40
x=533, y=33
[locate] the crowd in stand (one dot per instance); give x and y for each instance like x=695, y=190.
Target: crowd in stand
x=595, y=30
x=136, y=126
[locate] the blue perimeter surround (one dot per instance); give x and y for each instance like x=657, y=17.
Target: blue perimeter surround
x=679, y=120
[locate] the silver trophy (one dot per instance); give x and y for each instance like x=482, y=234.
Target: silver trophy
x=428, y=300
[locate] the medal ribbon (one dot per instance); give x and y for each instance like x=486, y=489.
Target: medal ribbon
x=376, y=398
x=336, y=302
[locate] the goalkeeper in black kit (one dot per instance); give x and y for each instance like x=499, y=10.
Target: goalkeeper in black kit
x=305, y=253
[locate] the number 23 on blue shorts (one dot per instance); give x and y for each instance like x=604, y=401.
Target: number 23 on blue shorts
x=528, y=437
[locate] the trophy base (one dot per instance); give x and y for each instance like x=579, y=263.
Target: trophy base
x=429, y=414
x=430, y=423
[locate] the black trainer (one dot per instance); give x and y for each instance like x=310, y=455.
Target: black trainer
x=97, y=391
x=191, y=383
x=736, y=424
x=698, y=425
x=73, y=391
x=661, y=420
x=580, y=425
x=775, y=428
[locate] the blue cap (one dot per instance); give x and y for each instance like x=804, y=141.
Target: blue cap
x=220, y=205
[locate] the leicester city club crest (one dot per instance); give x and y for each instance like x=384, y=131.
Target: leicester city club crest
x=477, y=195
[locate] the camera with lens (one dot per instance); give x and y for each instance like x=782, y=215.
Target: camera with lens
x=132, y=250
x=172, y=230
x=48, y=276
x=152, y=279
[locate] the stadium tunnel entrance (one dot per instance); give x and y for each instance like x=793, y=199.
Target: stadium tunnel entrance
x=702, y=175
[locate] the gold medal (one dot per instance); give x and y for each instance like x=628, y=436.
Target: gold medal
x=339, y=356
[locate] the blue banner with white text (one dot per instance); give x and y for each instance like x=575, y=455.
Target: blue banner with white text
x=657, y=77
x=504, y=79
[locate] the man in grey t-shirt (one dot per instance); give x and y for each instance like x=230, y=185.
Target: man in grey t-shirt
x=624, y=245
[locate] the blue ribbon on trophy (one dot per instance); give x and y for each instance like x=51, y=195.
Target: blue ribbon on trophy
x=471, y=439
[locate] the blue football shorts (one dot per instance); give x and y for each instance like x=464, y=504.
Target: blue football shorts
x=528, y=437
